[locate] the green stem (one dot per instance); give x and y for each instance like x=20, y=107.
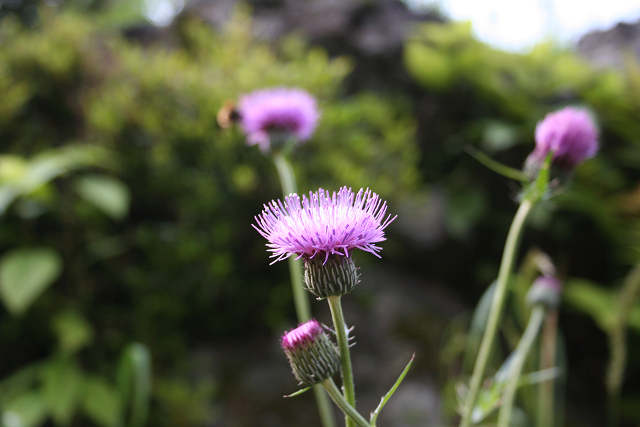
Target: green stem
x=546, y=390
x=506, y=265
x=345, y=357
x=519, y=357
x=349, y=411
x=300, y=300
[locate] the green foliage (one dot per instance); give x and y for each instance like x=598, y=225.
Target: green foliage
x=184, y=267
x=493, y=98
x=25, y=274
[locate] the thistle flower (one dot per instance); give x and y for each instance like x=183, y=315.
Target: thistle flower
x=572, y=136
x=312, y=355
x=279, y=112
x=545, y=290
x=324, y=228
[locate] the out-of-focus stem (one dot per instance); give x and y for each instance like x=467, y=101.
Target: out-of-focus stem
x=519, y=357
x=300, y=299
x=618, y=341
x=345, y=357
x=506, y=265
x=546, y=400
x=349, y=411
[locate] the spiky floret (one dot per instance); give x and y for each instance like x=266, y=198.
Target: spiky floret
x=323, y=224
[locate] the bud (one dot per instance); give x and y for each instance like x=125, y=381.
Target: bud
x=336, y=275
x=546, y=291
x=572, y=136
x=312, y=355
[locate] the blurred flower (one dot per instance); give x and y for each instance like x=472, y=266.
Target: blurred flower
x=312, y=356
x=545, y=290
x=281, y=112
x=324, y=224
x=570, y=133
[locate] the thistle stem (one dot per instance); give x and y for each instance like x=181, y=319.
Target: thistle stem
x=506, y=265
x=519, y=357
x=345, y=357
x=300, y=300
x=349, y=411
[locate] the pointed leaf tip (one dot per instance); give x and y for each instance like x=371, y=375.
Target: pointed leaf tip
x=297, y=393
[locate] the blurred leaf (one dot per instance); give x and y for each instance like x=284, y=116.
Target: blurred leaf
x=27, y=410
x=134, y=382
x=73, y=331
x=20, y=177
x=591, y=299
x=25, y=274
x=107, y=194
x=101, y=402
x=61, y=389
x=19, y=382
x=478, y=323
x=499, y=135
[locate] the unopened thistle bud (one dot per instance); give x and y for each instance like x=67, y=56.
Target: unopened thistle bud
x=335, y=276
x=546, y=291
x=312, y=355
x=572, y=136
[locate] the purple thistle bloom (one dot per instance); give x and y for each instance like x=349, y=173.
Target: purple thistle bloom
x=282, y=110
x=570, y=133
x=324, y=223
x=301, y=336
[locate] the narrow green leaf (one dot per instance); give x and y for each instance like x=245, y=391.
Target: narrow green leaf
x=392, y=390
x=25, y=274
x=297, y=393
x=134, y=382
x=497, y=167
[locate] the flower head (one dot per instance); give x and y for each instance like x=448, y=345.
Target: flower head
x=312, y=355
x=545, y=290
x=324, y=224
x=570, y=133
x=292, y=112
x=301, y=336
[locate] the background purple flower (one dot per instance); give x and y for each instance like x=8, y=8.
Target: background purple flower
x=285, y=110
x=570, y=133
x=324, y=223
